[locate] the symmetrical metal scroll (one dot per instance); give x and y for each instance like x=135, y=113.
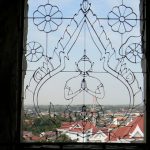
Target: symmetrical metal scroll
x=82, y=120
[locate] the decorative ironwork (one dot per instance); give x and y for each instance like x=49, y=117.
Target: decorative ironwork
x=132, y=49
x=84, y=79
x=34, y=51
x=47, y=18
x=124, y=19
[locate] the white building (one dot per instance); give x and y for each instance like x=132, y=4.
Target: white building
x=80, y=131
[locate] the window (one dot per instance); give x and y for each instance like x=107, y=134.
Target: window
x=85, y=72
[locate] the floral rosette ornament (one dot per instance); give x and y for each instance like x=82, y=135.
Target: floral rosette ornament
x=122, y=19
x=133, y=53
x=34, y=51
x=47, y=18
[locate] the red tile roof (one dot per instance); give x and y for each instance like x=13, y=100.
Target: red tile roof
x=124, y=132
x=137, y=121
x=104, y=130
x=119, y=118
x=35, y=138
x=27, y=133
x=50, y=133
x=113, y=126
x=83, y=126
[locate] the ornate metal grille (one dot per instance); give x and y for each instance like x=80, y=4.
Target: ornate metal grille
x=84, y=80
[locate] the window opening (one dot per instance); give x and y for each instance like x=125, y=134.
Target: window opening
x=84, y=78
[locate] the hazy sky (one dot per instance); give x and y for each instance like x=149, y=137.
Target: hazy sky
x=53, y=89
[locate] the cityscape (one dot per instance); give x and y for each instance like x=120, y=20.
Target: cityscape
x=83, y=75
x=116, y=125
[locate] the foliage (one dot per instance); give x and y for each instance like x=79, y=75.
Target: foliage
x=43, y=124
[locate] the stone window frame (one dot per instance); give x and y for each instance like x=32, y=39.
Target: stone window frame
x=141, y=146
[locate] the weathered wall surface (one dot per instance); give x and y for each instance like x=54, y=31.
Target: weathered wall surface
x=10, y=40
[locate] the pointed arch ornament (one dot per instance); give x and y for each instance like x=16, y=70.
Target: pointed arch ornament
x=48, y=18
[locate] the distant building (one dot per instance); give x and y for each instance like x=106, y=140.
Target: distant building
x=100, y=136
x=49, y=135
x=88, y=132
x=132, y=132
x=29, y=137
x=79, y=131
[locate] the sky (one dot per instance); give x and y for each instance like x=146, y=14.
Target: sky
x=53, y=89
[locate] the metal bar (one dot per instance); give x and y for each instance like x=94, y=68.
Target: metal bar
x=100, y=18
x=51, y=18
x=78, y=71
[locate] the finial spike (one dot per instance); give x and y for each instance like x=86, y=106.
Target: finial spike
x=85, y=6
